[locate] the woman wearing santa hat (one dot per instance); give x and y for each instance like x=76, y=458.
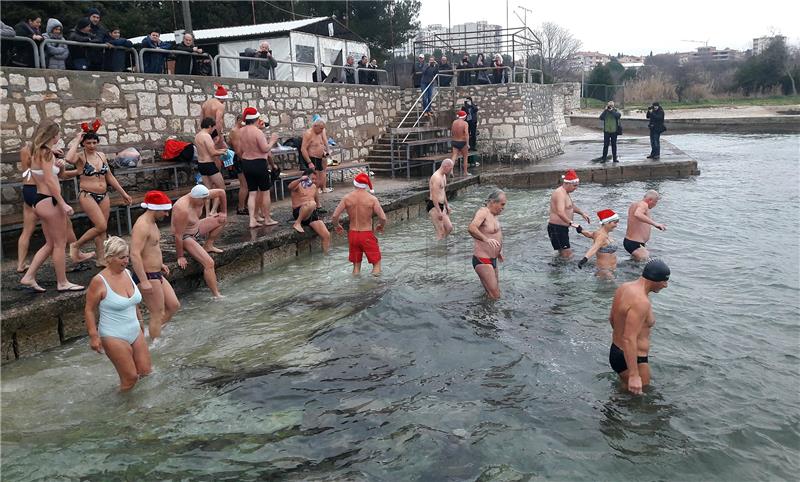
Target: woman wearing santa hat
x=603, y=245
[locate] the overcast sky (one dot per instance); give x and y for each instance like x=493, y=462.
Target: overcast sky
x=636, y=27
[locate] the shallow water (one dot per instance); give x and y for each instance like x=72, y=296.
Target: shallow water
x=305, y=373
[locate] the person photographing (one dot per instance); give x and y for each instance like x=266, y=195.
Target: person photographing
x=656, y=125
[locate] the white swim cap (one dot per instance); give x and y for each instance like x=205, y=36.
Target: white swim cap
x=199, y=192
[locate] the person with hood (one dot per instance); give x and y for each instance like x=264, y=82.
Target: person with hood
x=23, y=53
x=56, y=54
x=97, y=57
x=117, y=59
x=79, y=55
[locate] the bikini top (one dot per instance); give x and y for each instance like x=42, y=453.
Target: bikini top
x=610, y=249
x=29, y=172
x=89, y=170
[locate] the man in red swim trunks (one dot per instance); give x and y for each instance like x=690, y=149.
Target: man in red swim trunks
x=361, y=205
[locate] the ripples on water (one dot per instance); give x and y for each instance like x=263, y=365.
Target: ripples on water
x=304, y=373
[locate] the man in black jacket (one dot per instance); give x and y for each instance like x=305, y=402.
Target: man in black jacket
x=79, y=55
x=465, y=78
x=472, y=121
x=363, y=75
x=416, y=71
x=100, y=33
x=23, y=53
x=656, y=115
x=446, y=72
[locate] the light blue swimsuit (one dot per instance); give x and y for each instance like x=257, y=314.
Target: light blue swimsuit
x=118, y=313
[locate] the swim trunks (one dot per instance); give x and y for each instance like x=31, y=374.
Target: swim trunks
x=207, y=168
x=361, y=243
x=196, y=235
x=616, y=358
x=429, y=206
x=476, y=261
x=458, y=144
x=559, y=236
x=154, y=275
x=256, y=174
x=313, y=217
x=631, y=246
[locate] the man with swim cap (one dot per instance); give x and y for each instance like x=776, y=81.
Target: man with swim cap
x=190, y=230
x=438, y=208
x=361, y=205
x=488, y=246
x=640, y=224
x=631, y=321
x=561, y=211
x=147, y=264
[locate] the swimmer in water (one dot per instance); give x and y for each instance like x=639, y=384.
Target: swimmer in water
x=639, y=226
x=603, y=245
x=631, y=320
x=488, y=250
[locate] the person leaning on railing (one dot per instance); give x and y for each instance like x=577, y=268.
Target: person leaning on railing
x=153, y=61
x=56, y=54
x=117, y=59
x=78, y=54
x=465, y=77
x=29, y=27
x=185, y=64
x=262, y=69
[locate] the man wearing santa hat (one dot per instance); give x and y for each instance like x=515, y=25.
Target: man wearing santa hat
x=215, y=108
x=459, y=133
x=561, y=211
x=148, y=264
x=361, y=205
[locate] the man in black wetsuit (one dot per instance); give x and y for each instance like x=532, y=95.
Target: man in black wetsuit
x=631, y=320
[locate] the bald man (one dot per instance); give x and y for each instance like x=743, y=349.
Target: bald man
x=639, y=226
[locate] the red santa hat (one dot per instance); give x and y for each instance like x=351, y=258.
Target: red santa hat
x=156, y=201
x=221, y=93
x=571, y=177
x=362, y=181
x=461, y=114
x=607, y=216
x=250, y=113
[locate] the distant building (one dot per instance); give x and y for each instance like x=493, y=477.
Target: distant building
x=589, y=60
x=631, y=61
x=711, y=54
x=760, y=44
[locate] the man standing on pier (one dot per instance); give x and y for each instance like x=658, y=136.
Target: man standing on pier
x=147, y=264
x=640, y=225
x=488, y=245
x=190, y=230
x=438, y=208
x=631, y=320
x=561, y=211
x=314, y=152
x=361, y=205
x=208, y=162
x=459, y=133
x=215, y=108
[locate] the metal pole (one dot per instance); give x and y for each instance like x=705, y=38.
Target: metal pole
x=187, y=16
x=253, y=6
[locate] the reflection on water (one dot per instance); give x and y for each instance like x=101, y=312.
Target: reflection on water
x=306, y=373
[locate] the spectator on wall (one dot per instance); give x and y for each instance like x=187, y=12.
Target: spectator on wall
x=7, y=30
x=262, y=69
x=154, y=61
x=185, y=64
x=445, y=72
x=465, y=77
x=428, y=74
x=56, y=55
x=363, y=75
x=471, y=110
x=6, y=48
x=416, y=71
x=78, y=54
x=373, y=76
x=100, y=33
x=117, y=59
x=481, y=76
x=29, y=27
x=350, y=72
x=500, y=72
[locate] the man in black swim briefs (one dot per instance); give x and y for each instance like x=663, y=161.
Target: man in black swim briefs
x=437, y=206
x=631, y=321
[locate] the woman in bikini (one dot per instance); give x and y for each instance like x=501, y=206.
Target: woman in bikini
x=114, y=296
x=29, y=217
x=603, y=245
x=96, y=176
x=50, y=207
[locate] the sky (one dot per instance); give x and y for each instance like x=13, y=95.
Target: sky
x=636, y=27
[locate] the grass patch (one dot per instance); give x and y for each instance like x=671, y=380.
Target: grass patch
x=741, y=101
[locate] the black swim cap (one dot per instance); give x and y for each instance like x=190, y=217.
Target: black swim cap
x=656, y=270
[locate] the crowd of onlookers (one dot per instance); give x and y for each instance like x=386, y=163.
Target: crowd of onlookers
x=114, y=55
x=479, y=73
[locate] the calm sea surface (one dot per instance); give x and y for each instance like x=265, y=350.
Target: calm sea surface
x=306, y=374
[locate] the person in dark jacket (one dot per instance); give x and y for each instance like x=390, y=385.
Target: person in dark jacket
x=185, y=64
x=363, y=75
x=262, y=69
x=472, y=121
x=350, y=72
x=481, y=76
x=78, y=54
x=428, y=73
x=154, y=62
x=23, y=53
x=465, y=77
x=500, y=72
x=416, y=71
x=55, y=54
x=100, y=33
x=372, y=79
x=656, y=125
x=117, y=59
x=446, y=72
x=610, y=118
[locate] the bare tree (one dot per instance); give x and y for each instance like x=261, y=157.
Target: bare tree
x=558, y=49
x=792, y=66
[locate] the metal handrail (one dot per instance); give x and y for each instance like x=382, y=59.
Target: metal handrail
x=18, y=38
x=414, y=105
x=456, y=70
x=528, y=74
x=257, y=59
x=179, y=52
x=345, y=66
x=370, y=69
x=85, y=44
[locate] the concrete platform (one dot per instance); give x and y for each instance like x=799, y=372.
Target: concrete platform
x=35, y=322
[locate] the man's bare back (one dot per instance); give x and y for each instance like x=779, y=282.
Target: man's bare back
x=360, y=206
x=630, y=295
x=215, y=109
x=459, y=131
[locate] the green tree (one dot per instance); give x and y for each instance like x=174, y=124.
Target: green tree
x=772, y=67
x=600, y=83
